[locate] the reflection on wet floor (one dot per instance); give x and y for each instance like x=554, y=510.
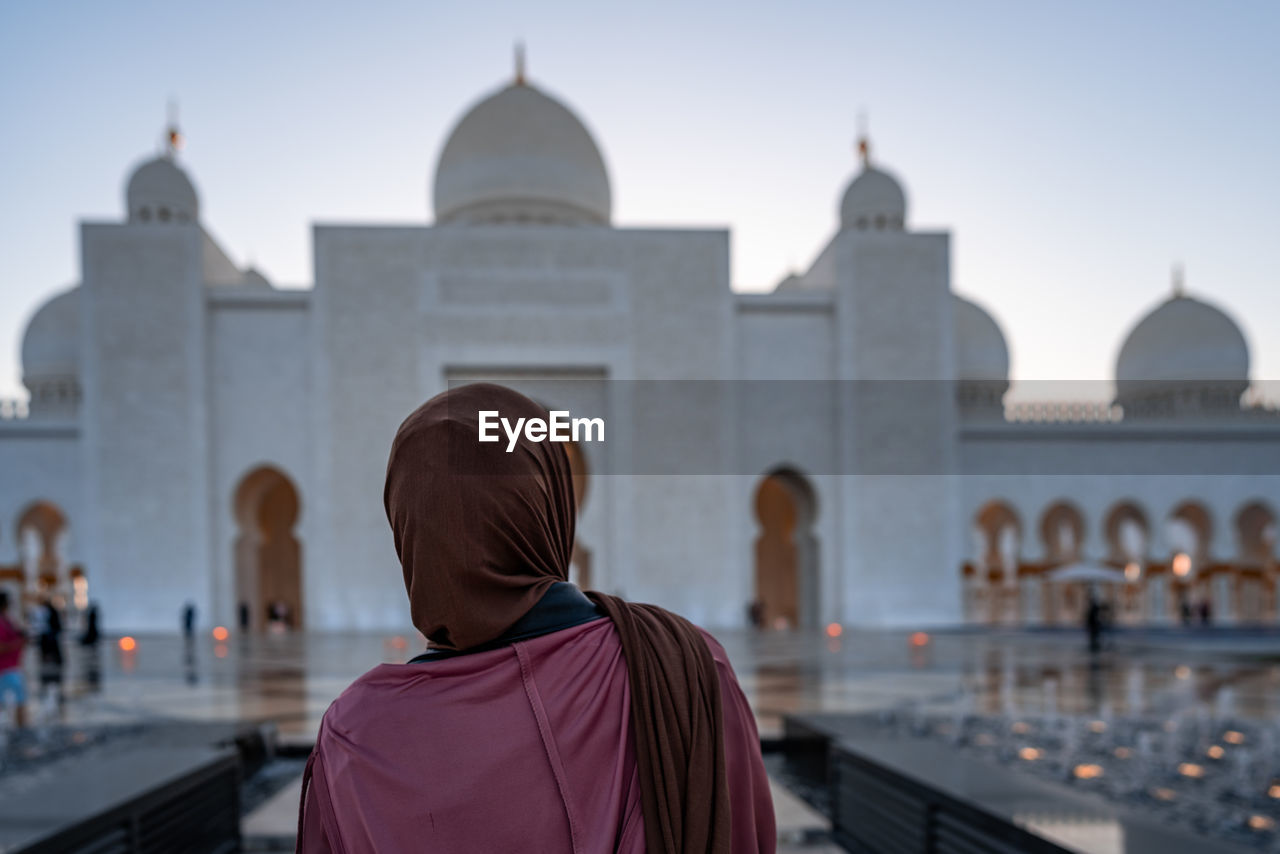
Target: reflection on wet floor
x=291, y=679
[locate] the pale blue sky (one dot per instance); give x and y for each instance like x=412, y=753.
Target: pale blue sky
x=1075, y=150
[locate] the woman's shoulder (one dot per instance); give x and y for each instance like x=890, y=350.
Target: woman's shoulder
x=388, y=691
x=717, y=651
x=373, y=695
x=356, y=695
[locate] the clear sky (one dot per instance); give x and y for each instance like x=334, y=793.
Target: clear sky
x=1075, y=150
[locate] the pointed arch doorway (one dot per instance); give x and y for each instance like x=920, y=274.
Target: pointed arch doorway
x=268, y=555
x=786, y=552
x=42, y=530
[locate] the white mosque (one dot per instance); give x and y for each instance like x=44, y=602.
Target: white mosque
x=838, y=450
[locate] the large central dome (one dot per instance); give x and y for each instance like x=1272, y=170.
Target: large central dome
x=520, y=156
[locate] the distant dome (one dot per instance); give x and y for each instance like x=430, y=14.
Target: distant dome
x=51, y=355
x=874, y=200
x=981, y=352
x=51, y=344
x=159, y=191
x=1183, y=345
x=521, y=156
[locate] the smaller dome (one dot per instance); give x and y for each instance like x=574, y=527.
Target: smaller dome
x=874, y=200
x=160, y=191
x=981, y=352
x=1182, y=340
x=51, y=343
x=1185, y=353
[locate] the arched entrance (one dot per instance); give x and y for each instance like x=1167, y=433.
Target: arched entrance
x=42, y=532
x=1189, y=530
x=1062, y=532
x=993, y=594
x=786, y=552
x=1128, y=539
x=268, y=555
x=1256, y=530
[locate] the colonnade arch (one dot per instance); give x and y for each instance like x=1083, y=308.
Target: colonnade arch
x=1164, y=571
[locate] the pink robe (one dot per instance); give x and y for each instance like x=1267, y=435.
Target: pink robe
x=526, y=748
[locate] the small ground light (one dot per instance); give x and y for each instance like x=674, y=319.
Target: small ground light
x=1182, y=671
x=398, y=642
x=128, y=644
x=220, y=633
x=1087, y=771
x=1261, y=822
x=1021, y=727
x=1097, y=726
x=1215, y=752
x=1123, y=753
x=834, y=630
x=1233, y=737
x=1190, y=769
x=1274, y=791
x=1165, y=794
x=920, y=639
x=1029, y=753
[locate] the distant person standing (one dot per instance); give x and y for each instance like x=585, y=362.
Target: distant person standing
x=189, y=620
x=50, y=640
x=12, y=682
x=89, y=639
x=1093, y=622
x=91, y=635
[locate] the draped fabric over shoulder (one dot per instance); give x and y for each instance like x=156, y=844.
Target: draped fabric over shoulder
x=482, y=535
x=678, y=726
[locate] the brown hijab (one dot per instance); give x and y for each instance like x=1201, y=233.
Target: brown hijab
x=482, y=533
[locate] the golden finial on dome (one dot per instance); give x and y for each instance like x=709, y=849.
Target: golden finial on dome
x=864, y=141
x=519, y=63
x=172, y=136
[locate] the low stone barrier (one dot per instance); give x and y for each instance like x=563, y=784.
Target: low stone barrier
x=147, y=800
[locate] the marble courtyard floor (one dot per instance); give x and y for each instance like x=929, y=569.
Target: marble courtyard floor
x=291, y=679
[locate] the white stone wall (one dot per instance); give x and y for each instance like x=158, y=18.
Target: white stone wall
x=399, y=312
x=788, y=420
x=260, y=415
x=898, y=426
x=145, y=415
